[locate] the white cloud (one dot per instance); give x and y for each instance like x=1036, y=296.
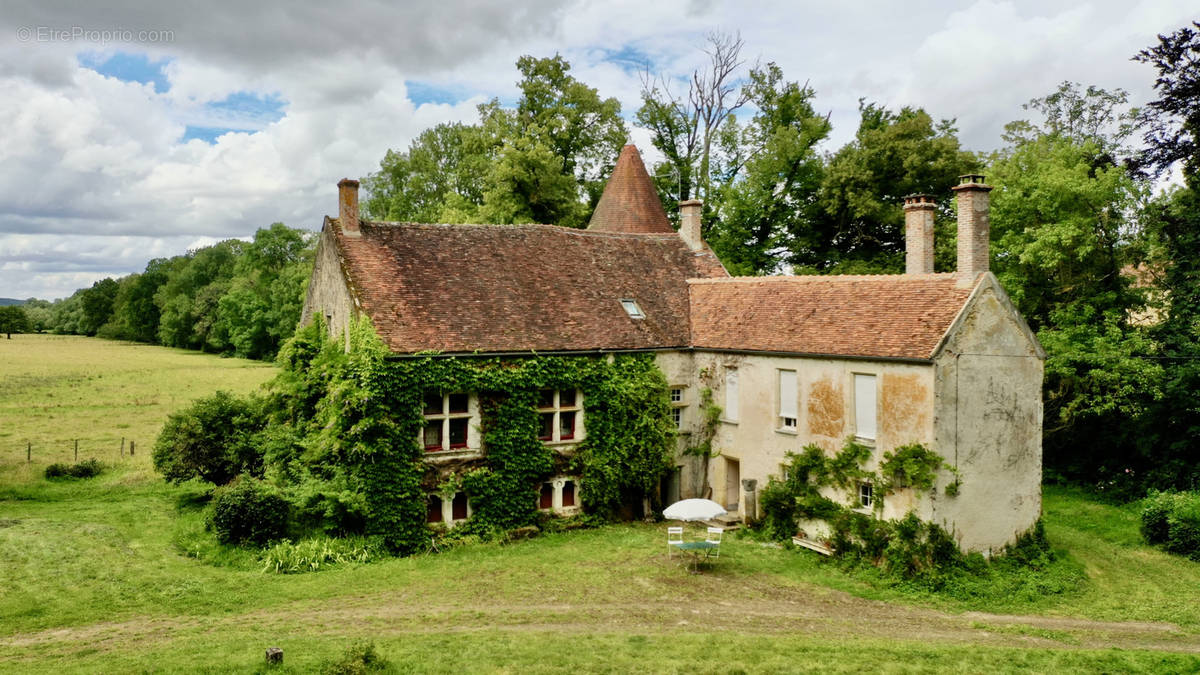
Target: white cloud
x=95, y=179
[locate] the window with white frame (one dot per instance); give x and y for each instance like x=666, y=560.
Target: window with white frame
x=558, y=413
x=866, y=495
x=447, y=509
x=788, y=409
x=558, y=494
x=865, y=414
x=447, y=421
x=731, y=394
x=677, y=406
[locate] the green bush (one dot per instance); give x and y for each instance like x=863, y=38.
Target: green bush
x=1155, y=511
x=1172, y=520
x=214, y=439
x=85, y=469
x=249, y=511
x=779, y=510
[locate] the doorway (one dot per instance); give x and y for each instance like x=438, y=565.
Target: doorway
x=733, y=484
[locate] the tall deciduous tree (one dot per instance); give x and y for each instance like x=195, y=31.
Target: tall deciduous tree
x=542, y=161
x=892, y=155
x=767, y=211
x=13, y=320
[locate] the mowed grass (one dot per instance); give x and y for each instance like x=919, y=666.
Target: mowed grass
x=95, y=576
x=57, y=389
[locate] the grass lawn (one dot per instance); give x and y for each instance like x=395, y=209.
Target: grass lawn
x=96, y=578
x=56, y=389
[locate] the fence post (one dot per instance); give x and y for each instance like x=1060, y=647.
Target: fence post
x=122, y=446
x=76, y=450
x=28, y=452
x=131, y=448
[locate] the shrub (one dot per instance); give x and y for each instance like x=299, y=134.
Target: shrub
x=88, y=468
x=1172, y=520
x=360, y=657
x=249, y=511
x=213, y=440
x=779, y=510
x=1155, y=511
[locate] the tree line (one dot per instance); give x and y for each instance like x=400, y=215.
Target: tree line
x=234, y=297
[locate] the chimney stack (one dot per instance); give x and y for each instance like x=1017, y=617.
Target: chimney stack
x=973, y=227
x=918, y=234
x=689, y=223
x=348, y=207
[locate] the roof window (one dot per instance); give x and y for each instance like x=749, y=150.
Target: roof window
x=632, y=309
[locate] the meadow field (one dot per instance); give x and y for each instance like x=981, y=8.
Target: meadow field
x=105, y=575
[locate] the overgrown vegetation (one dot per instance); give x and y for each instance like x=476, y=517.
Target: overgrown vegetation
x=907, y=550
x=338, y=441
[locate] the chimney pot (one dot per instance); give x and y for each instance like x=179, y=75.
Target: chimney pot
x=918, y=233
x=974, y=225
x=689, y=223
x=348, y=207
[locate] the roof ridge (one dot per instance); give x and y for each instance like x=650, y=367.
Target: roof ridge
x=540, y=226
x=829, y=278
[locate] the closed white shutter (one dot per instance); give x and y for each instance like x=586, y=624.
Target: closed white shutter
x=787, y=394
x=731, y=394
x=864, y=406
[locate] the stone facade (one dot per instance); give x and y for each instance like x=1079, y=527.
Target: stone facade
x=328, y=289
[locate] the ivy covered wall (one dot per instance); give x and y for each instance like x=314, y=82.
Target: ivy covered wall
x=358, y=415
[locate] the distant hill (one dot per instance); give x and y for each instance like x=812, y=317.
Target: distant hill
x=10, y=301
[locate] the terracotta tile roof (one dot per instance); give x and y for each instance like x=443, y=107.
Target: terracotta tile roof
x=897, y=316
x=630, y=203
x=465, y=288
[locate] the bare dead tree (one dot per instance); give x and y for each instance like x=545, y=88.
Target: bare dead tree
x=685, y=129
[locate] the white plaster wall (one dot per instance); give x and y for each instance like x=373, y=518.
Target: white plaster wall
x=989, y=424
x=905, y=396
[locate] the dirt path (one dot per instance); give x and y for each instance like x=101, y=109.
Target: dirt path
x=790, y=611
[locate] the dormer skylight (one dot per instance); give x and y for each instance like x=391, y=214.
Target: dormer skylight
x=632, y=309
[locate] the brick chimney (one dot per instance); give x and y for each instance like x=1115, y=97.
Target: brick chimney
x=689, y=223
x=973, y=227
x=348, y=207
x=918, y=234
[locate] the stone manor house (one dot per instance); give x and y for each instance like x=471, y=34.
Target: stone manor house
x=941, y=359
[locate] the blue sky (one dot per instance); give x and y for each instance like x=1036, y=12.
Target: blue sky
x=241, y=110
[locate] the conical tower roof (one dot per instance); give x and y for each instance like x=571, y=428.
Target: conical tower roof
x=630, y=203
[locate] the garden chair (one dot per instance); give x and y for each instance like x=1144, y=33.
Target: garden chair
x=674, y=536
x=714, y=537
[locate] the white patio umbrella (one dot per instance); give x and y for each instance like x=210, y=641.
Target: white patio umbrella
x=693, y=510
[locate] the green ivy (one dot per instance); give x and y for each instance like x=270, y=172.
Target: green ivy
x=359, y=415
x=910, y=466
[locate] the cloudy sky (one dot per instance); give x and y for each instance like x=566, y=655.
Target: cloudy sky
x=133, y=132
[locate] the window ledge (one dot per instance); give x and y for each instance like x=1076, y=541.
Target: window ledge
x=725, y=421
x=788, y=431
x=562, y=444
x=457, y=453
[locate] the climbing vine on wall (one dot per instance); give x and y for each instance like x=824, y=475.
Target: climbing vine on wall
x=362, y=410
